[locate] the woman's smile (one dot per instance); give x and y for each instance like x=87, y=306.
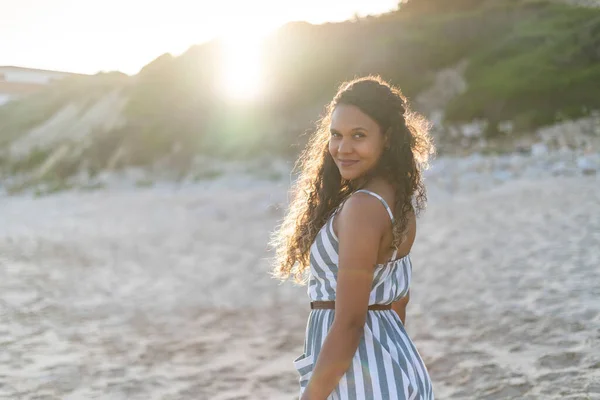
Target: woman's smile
x=347, y=163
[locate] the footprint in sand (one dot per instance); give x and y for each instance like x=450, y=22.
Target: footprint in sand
x=560, y=360
x=556, y=376
x=510, y=391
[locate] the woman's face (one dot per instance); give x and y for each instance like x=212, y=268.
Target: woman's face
x=356, y=141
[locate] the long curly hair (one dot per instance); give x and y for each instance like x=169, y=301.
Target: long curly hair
x=320, y=188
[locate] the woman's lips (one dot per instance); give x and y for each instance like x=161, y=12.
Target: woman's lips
x=347, y=163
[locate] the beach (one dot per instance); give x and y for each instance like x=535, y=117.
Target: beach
x=164, y=292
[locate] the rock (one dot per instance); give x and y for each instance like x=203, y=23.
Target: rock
x=562, y=169
x=539, y=149
x=453, y=132
x=520, y=149
x=448, y=84
x=587, y=165
x=502, y=175
x=474, y=129
x=506, y=127
x=565, y=151
x=517, y=162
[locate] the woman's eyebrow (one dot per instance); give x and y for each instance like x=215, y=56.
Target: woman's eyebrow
x=359, y=128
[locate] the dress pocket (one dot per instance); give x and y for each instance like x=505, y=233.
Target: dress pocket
x=304, y=365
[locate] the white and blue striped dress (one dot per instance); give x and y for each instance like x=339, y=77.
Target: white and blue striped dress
x=386, y=364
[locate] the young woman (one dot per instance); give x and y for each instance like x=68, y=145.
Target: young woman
x=351, y=225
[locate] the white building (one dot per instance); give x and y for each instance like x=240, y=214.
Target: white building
x=19, y=81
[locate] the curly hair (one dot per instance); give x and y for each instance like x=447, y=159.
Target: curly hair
x=320, y=189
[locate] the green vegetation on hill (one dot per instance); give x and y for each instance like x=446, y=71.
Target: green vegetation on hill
x=545, y=67
x=530, y=61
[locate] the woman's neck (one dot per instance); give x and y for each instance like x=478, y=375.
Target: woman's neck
x=361, y=182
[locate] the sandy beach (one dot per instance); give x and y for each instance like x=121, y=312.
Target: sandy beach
x=164, y=293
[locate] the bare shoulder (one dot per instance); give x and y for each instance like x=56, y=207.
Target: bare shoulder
x=362, y=211
x=386, y=190
x=361, y=225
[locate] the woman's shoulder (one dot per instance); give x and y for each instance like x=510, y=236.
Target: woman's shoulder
x=387, y=191
x=361, y=214
x=364, y=208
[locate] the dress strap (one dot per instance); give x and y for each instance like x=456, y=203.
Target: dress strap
x=389, y=210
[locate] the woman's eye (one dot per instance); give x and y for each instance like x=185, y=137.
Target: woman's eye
x=356, y=135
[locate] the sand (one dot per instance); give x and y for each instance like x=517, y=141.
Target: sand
x=163, y=293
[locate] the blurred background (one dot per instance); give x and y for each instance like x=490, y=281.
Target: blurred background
x=146, y=153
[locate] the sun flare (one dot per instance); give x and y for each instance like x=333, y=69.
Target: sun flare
x=242, y=69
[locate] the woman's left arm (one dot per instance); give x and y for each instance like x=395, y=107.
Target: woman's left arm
x=361, y=225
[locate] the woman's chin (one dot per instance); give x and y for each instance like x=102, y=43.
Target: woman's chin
x=348, y=177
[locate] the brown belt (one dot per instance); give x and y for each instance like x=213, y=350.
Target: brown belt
x=330, y=305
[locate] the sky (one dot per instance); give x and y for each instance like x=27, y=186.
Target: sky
x=88, y=36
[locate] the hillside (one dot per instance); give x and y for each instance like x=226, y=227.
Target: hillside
x=489, y=73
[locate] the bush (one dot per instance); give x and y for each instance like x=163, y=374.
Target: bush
x=547, y=65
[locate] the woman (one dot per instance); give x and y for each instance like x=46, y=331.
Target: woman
x=351, y=225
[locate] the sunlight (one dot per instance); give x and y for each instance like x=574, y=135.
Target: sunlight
x=242, y=69
x=132, y=42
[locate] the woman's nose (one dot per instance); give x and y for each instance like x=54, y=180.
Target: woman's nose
x=345, y=146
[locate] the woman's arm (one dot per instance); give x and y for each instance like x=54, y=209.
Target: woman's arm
x=361, y=225
x=399, y=307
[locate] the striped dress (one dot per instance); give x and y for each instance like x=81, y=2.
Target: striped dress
x=386, y=364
